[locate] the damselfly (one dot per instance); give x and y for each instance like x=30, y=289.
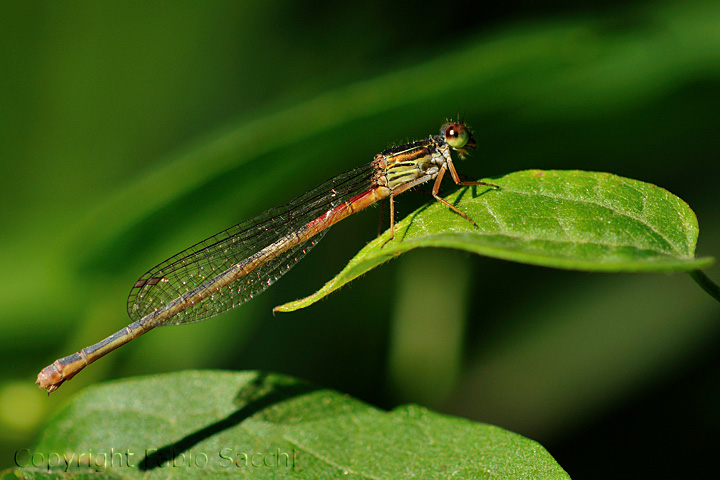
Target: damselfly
x=235, y=265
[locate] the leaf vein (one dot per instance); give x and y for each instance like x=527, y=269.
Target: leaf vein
x=619, y=211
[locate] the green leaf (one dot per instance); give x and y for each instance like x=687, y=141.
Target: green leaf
x=563, y=219
x=212, y=424
x=42, y=474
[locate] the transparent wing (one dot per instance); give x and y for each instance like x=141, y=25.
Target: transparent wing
x=195, y=265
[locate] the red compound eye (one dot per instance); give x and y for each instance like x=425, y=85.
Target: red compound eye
x=456, y=134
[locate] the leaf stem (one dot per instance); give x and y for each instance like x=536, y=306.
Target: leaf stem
x=706, y=284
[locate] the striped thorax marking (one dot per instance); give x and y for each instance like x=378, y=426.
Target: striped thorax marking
x=422, y=159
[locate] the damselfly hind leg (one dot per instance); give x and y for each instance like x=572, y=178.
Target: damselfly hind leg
x=392, y=220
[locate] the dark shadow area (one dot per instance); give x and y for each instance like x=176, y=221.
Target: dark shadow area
x=262, y=394
x=474, y=191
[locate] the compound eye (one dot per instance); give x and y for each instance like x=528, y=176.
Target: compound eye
x=456, y=135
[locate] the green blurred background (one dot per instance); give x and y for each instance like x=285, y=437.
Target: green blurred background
x=131, y=130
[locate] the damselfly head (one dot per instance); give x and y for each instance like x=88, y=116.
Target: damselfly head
x=458, y=136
